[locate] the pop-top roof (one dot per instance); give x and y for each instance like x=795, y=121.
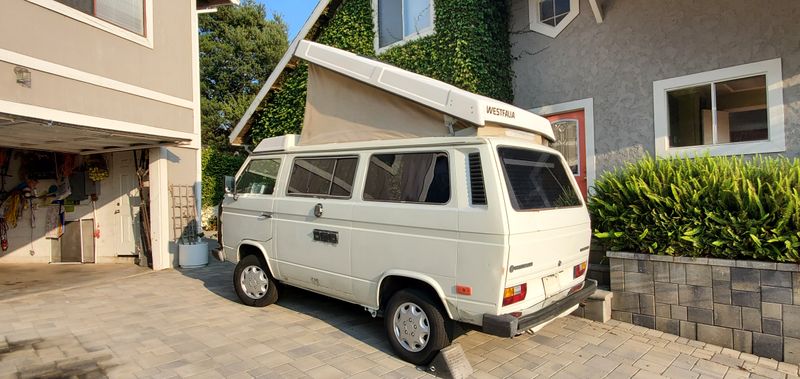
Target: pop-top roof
x=448, y=99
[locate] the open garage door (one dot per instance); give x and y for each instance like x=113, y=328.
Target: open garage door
x=37, y=134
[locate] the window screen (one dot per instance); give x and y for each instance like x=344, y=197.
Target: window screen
x=413, y=178
x=259, y=177
x=537, y=180
x=323, y=176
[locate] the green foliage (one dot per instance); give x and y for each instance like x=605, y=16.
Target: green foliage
x=216, y=165
x=470, y=49
x=239, y=47
x=711, y=207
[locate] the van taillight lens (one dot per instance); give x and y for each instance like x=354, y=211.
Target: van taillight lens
x=579, y=270
x=514, y=294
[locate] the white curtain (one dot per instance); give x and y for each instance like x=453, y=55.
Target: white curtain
x=128, y=14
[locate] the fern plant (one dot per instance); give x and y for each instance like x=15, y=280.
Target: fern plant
x=724, y=207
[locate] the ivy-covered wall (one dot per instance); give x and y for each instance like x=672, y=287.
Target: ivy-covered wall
x=469, y=49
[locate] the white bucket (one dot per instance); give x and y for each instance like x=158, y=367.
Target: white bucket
x=193, y=255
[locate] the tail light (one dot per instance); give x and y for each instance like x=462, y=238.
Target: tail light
x=515, y=294
x=579, y=270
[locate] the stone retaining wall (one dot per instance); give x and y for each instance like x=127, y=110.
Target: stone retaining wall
x=748, y=306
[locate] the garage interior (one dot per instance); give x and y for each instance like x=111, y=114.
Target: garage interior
x=74, y=194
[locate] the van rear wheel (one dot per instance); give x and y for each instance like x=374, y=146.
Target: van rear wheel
x=415, y=327
x=253, y=283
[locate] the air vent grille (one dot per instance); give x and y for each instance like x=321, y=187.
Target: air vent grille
x=477, y=187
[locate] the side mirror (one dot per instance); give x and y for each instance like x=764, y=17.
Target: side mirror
x=230, y=185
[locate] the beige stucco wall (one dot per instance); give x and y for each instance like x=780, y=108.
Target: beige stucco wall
x=166, y=69
x=56, y=92
x=31, y=30
x=640, y=42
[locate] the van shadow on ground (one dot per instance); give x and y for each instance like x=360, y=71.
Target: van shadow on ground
x=217, y=277
x=351, y=319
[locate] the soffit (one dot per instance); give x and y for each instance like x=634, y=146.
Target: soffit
x=33, y=134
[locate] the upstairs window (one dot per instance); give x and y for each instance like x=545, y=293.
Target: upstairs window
x=550, y=17
x=731, y=111
x=127, y=14
x=399, y=21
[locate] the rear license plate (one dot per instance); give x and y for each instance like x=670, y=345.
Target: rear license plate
x=551, y=285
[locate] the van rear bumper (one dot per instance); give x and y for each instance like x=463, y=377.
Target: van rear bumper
x=509, y=325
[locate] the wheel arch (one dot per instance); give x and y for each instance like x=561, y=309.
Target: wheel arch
x=394, y=280
x=249, y=247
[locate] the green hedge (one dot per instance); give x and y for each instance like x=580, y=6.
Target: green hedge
x=470, y=49
x=727, y=207
x=216, y=164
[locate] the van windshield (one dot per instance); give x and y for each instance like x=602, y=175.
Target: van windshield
x=537, y=180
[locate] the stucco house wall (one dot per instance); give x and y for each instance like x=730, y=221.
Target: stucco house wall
x=639, y=42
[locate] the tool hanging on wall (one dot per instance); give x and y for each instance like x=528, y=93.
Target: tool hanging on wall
x=142, y=171
x=94, y=217
x=5, y=162
x=3, y=234
x=12, y=207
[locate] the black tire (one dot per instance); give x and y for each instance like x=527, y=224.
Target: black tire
x=256, y=293
x=436, y=320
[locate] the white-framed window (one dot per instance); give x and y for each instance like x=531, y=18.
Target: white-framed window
x=730, y=111
x=400, y=21
x=550, y=17
x=129, y=19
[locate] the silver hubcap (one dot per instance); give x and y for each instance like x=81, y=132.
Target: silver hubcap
x=254, y=282
x=411, y=327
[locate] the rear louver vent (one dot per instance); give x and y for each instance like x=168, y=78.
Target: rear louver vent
x=477, y=187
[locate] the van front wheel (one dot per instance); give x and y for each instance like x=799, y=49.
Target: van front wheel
x=415, y=327
x=253, y=283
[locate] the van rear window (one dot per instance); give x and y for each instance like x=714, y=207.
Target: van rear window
x=537, y=180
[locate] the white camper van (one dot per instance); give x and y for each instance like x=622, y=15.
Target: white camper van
x=421, y=202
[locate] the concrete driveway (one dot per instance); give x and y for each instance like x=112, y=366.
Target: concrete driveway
x=188, y=323
x=26, y=279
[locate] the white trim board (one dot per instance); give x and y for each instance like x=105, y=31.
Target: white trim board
x=197, y=114
x=89, y=78
x=777, y=139
x=100, y=123
x=587, y=105
x=145, y=40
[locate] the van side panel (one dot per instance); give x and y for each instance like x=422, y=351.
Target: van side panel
x=403, y=236
x=411, y=237
x=482, y=248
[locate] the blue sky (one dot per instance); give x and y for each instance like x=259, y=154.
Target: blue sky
x=294, y=12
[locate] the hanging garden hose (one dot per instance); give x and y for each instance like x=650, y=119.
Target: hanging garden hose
x=3, y=234
x=12, y=210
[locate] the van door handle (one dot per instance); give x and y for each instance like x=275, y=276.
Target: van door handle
x=265, y=215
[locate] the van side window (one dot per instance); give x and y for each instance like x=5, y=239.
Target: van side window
x=412, y=177
x=323, y=176
x=259, y=177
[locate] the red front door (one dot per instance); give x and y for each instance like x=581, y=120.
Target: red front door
x=570, y=132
